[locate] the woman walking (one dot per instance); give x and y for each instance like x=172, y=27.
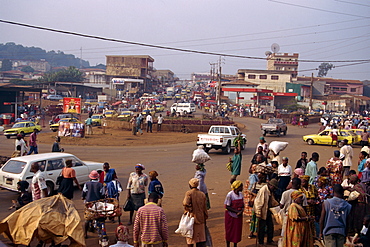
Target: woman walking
x=201, y=175
x=335, y=168
x=69, y=176
x=234, y=205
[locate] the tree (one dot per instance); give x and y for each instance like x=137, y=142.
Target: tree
x=324, y=68
x=6, y=65
x=72, y=74
x=28, y=69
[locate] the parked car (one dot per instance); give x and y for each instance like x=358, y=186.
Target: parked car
x=22, y=128
x=274, y=126
x=54, y=97
x=51, y=164
x=125, y=113
x=324, y=137
x=220, y=137
x=60, y=116
x=110, y=114
x=55, y=127
x=96, y=119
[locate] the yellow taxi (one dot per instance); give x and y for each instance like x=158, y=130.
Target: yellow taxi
x=96, y=119
x=324, y=137
x=159, y=108
x=21, y=128
x=125, y=113
x=111, y=114
x=55, y=127
x=147, y=111
x=359, y=132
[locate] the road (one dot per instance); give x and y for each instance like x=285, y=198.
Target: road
x=173, y=163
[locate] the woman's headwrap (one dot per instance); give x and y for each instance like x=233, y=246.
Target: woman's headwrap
x=305, y=177
x=142, y=167
x=153, y=174
x=122, y=233
x=323, y=179
x=299, y=171
x=236, y=184
x=296, y=194
x=194, y=182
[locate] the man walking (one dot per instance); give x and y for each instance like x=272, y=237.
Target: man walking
x=89, y=125
x=347, y=151
x=334, y=218
x=149, y=123
x=311, y=168
x=139, y=119
x=38, y=185
x=150, y=227
x=33, y=143
x=159, y=123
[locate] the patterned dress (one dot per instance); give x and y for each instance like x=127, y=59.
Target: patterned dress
x=335, y=168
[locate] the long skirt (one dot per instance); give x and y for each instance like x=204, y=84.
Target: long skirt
x=233, y=228
x=66, y=188
x=138, y=200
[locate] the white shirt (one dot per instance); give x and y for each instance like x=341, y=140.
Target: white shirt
x=121, y=244
x=37, y=185
x=347, y=151
x=160, y=120
x=284, y=170
x=149, y=118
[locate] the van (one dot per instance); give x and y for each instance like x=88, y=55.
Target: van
x=183, y=108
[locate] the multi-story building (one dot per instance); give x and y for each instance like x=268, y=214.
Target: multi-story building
x=165, y=77
x=38, y=65
x=283, y=61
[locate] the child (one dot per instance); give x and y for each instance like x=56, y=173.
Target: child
x=155, y=186
x=24, y=196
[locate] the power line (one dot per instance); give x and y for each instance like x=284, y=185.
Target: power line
x=164, y=47
x=359, y=4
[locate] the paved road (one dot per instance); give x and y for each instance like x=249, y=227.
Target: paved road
x=173, y=163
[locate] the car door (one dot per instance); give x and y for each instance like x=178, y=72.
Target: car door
x=54, y=169
x=324, y=137
x=82, y=171
x=31, y=127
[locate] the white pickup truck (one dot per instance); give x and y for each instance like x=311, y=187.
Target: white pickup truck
x=220, y=137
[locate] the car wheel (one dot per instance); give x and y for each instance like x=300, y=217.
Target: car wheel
x=7, y=137
x=264, y=133
x=227, y=149
x=207, y=150
x=310, y=142
x=50, y=188
x=54, y=130
x=285, y=132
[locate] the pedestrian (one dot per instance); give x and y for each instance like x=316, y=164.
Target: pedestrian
x=56, y=145
x=365, y=138
x=234, y=205
x=347, y=151
x=149, y=123
x=92, y=191
x=38, y=184
x=20, y=141
x=200, y=174
x=69, y=176
x=361, y=163
x=335, y=168
x=122, y=236
x=364, y=237
x=311, y=169
x=33, y=143
x=265, y=146
x=302, y=162
x=284, y=173
x=195, y=203
x=104, y=123
x=311, y=194
x=150, y=227
x=263, y=202
x=159, y=122
x=155, y=186
x=89, y=123
x=136, y=188
x=133, y=125
x=254, y=189
x=108, y=174
x=236, y=161
x=24, y=196
x=297, y=232
x=139, y=120
x=333, y=220
x=358, y=203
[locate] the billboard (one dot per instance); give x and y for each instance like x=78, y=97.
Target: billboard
x=72, y=105
x=71, y=129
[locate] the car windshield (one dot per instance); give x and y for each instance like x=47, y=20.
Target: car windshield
x=18, y=125
x=14, y=166
x=95, y=117
x=274, y=121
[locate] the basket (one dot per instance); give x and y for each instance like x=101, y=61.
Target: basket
x=102, y=208
x=261, y=168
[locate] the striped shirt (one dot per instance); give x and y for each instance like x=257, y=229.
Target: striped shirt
x=150, y=225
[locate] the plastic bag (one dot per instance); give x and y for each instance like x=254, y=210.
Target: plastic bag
x=277, y=146
x=186, y=226
x=200, y=156
x=277, y=212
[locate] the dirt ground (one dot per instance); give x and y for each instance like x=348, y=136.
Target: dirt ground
x=118, y=137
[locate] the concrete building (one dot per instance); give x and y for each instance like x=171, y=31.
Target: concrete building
x=283, y=61
x=165, y=77
x=38, y=65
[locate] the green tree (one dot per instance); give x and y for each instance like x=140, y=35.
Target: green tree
x=28, y=69
x=72, y=74
x=6, y=65
x=324, y=68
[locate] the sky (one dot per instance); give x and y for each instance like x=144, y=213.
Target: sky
x=330, y=30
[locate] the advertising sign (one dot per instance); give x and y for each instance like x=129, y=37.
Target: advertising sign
x=72, y=105
x=71, y=129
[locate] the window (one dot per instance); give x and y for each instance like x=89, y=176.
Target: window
x=278, y=68
x=42, y=165
x=251, y=76
x=263, y=77
x=75, y=162
x=353, y=90
x=227, y=131
x=274, y=77
x=55, y=164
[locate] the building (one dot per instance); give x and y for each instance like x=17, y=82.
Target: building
x=283, y=61
x=165, y=77
x=38, y=65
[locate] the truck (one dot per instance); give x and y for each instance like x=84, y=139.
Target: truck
x=221, y=137
x=274, y=126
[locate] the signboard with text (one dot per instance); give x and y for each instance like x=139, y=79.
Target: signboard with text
x=72, y=105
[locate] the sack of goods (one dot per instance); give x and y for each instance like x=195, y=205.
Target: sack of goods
x=277, y=146
x=263, y=168
x=200, y=156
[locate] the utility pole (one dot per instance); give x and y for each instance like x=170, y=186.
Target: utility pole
x=81, y=58
x=311, y=92
x=219, y=83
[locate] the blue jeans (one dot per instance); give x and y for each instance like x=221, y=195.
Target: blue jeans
x=33, y=149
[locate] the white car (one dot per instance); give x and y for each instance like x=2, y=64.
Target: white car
x=1, y=128
x=54, y=97
x=18, y=169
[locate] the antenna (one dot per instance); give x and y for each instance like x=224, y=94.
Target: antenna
x=275, y=48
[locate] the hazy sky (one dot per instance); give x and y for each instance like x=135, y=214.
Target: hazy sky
x=335, y=30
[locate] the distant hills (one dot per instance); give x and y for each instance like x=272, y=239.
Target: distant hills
x=13, y=51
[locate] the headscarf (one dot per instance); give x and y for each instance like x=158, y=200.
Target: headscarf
x=142, y=167
x=236, y=184
x=122, y=233
x=299, y=171
x=305, y=177
x=194, y=182
x=296, y=194
x=153, y=174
